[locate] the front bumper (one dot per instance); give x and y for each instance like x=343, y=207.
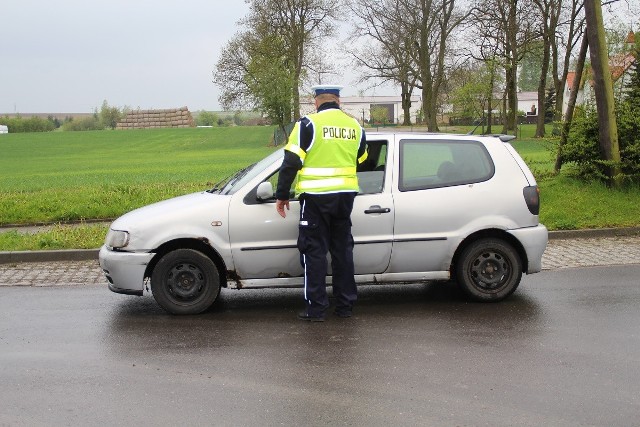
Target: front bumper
x=124, y=270
x=534, y=241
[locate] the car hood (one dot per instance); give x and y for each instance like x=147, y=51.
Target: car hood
x=191, y=215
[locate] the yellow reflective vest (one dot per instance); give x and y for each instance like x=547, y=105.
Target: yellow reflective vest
x=329, y=164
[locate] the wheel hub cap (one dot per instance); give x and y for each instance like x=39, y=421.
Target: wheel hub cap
x=186, y=281
x=490, y=270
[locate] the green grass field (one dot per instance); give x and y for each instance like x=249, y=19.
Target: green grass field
x=69, y=176
x=66, y=176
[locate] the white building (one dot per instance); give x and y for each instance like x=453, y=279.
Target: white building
x=528, y=103
x=360, y=107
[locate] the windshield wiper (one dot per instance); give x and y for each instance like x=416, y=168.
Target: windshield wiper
x=231, y=180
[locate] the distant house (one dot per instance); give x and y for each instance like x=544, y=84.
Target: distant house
x=360, y=107
x=528, y=103
x=620, y=68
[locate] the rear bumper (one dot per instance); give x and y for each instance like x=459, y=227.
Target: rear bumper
x=534, y=240
x=124, y=270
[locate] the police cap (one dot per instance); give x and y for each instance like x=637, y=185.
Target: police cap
x=322, y=89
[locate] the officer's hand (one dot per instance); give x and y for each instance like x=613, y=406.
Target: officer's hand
x=280, y=205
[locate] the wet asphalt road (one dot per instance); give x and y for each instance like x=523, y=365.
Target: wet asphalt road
x=563, y=350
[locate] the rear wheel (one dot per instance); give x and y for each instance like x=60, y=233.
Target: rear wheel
x=185, y=281
x=489, y=270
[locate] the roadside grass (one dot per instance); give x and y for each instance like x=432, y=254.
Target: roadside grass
x=56, y=237
x=73, y=176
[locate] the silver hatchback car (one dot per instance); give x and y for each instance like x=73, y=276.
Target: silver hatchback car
x=430, y=207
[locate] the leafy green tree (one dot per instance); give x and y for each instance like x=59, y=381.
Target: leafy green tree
x=109, y=116
x=472, y=98
x=549, y=105
x=265, y=64
x=530, y=66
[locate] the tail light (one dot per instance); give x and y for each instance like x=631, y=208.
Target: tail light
x=532, y=197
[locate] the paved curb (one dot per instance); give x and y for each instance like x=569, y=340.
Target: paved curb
x=594, y=233
x=92, y=254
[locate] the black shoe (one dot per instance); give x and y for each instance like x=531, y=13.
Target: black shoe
x=345, y=314
x=303, y=315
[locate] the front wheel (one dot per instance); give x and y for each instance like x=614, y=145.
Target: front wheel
x=489, y=270
x=185, y=281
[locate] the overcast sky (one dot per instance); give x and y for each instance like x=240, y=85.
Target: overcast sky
x=67, y=56
x=70, y=55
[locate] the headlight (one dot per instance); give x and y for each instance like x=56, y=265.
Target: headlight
x=117, y=239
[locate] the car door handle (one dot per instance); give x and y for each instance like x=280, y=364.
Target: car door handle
x=376, y=209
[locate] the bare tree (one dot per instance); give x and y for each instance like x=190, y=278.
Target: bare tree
x=509, y=26
x=431, y=24
x=573, y=95
x=385, y=54
x=549, y=11
x=570, y=32
x=482, y=47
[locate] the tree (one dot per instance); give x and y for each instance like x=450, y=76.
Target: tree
x=549, y=102
x=566, y=126
x=431, y=23
x=379, y=115
x=549, y=11
x=109, y=116
x=472, y=96
x=570, y=32
x=603, y=89
x=530, y=66
x=265, y=65
x=412, y=44
x=508, y=26
x=386, y=52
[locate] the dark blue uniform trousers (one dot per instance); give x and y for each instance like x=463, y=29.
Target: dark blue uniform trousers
x=325, y=225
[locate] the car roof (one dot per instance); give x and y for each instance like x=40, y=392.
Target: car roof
x=438, y=135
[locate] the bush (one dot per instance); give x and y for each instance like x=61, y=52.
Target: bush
x=85, y=123
x=206, y=118
x=32, y=124
x=583, y=148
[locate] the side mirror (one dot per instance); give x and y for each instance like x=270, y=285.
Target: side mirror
x=265, y=191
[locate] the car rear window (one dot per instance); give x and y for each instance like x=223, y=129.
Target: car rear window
x=426, y=164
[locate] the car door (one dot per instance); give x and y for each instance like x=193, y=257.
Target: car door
x=264, y=245
x=443, y=188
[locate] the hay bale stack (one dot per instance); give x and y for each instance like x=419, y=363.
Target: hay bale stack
x=155, y=119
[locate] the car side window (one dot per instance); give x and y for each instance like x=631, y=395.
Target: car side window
x=371, y=171
x=428, y=164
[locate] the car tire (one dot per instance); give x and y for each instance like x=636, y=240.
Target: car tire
x=185, y=281
x=489, y=270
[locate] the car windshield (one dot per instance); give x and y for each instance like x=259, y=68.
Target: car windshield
x=236, y=181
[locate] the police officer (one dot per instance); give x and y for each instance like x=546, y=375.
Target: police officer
x=323, y=151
